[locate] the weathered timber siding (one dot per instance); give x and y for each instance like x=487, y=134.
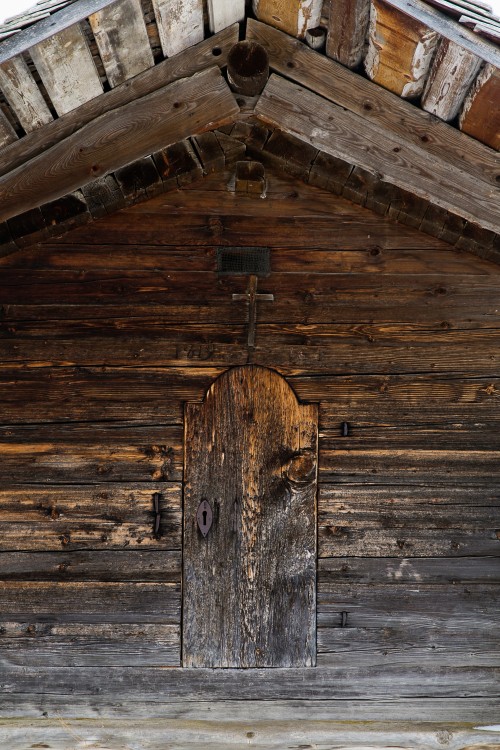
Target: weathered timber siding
x=107, y=332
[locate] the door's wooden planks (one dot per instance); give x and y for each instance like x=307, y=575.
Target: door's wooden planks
x=135, y=130
x=180, y=24
x=400, y=50
x=223, y=13
x=23, y=94
x=249, y=584
x=294, y=17
x=67, y=69
x=347, y=27
x=76, y=517
x=452, y=73
x=480, y=116
x=122, y=39
x=331, y=129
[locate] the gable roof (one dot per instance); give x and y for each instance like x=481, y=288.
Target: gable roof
x=388, y=146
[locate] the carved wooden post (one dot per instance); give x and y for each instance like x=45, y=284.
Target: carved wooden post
x=249, y=582
x=247, y=68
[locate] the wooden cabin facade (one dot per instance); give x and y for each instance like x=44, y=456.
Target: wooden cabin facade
x=249, y=370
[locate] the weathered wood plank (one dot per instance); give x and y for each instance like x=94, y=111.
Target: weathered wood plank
x=331, y=129
x=7, y=132
x=106, y=516
x=89, y=644
x=67, y=69
x=122, y=39
x=170, y=114
x=266, y=734
x=414, y=571
x=138, y=714
x=47, y=27
x=180, y=24
x=84, y=603
x=480, y=116
x=92, y=565
x=182, y=65
x=256, y=684
x=400, y=50
x=223, y=13
x=251, y=454
x=453, y=71
x=394, y=115
x=24, y=96
x=347, y=28
x=447, y=27
x=293, y=17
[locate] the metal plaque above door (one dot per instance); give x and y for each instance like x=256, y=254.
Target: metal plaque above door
x=249, y=578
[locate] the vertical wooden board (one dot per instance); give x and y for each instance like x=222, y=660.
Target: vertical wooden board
x=67, y=69
x=480, y=115
x=452, y=73
x=249, y=585
x=291, y=16
x=400, y=50
x=7, y=132
x=122, y=39
x=347, y=27
x=180, y=24
x=223, y=13
x=23, y=95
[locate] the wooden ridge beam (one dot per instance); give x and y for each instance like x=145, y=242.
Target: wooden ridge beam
x=375, y=106
x=333, y=130
x=212, y=51
x=176, y=111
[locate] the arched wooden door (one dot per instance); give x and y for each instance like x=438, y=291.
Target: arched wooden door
x=249, y=584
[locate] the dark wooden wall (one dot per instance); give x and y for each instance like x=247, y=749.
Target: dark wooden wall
x=105, y=333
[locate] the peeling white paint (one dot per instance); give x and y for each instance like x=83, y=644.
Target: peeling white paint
x=372, y=59
x=420, y=64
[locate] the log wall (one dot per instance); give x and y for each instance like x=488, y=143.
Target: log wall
x=105, y=334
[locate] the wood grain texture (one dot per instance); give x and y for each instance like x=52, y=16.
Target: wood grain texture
x=180, y=24
x=182, y=65
x=67, y=69
x=410, y=124
x=122, y=40
x=249, y=586
x=23, y=94
x=7, y=132
x=452, y=73
x=293, y=17
x=118, y=138
x=347, y=28
x=223, y=13
x=331, y=129
x=480, y=117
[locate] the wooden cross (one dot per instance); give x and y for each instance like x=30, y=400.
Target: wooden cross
x=251, y=297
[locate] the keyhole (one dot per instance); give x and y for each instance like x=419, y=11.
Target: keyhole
x=204, y=518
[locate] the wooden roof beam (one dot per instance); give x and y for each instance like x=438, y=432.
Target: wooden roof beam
x=136, y=130
x=346, y=135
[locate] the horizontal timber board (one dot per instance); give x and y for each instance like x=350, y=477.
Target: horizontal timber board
x=118, y=137
x=129, y=715
x=265, y=735
x=344, y=232
x=188, y=685
x=90, y=453
x=75, y=517
x=92, y=565
x=296, y=61
x=86, y=603
x=76, y=644
x=283, y=260
x=330, y=128
x=182, y=65
x=440, y=570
